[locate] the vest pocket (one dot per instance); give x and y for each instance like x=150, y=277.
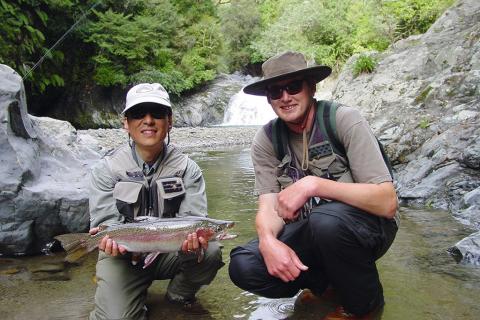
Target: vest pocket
x=286, y=174
x=320, y=166
x=170, y=192
x=126, y=195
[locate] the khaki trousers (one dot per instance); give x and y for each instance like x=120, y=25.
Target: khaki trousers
x=122, y=287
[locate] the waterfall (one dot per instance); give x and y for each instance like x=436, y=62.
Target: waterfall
x=246, y=109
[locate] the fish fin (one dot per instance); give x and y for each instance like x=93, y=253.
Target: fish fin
x=150, y=258
x=226, y=236
x=201, y=254
x=102, y=227
x=76, y=245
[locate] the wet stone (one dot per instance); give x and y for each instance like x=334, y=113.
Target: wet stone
x=48, y=276
x=48, y=267
x=10, y=270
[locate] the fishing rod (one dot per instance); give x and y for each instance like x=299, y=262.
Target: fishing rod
x=60, y=40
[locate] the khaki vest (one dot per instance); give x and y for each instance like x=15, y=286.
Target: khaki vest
x=135, y=196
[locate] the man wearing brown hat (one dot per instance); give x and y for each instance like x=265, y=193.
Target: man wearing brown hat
x=148, y=177
x=324, y=216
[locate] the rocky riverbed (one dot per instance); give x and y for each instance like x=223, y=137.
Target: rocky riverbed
x=186, y=138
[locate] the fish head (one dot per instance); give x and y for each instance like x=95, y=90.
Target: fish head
x=211, y=228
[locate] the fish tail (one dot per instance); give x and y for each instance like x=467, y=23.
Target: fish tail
x=76, y=245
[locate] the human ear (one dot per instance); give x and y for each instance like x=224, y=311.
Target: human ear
x=125, y=124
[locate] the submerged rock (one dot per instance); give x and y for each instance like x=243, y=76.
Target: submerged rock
x=467, y=250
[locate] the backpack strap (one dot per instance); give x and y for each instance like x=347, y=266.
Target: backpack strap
x=277, y=131
x=327, y=121
x=326, y=118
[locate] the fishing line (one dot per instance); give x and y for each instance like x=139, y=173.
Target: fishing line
x=39, y=62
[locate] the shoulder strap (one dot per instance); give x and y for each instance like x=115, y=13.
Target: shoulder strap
x=326, y=120
x=279, y=137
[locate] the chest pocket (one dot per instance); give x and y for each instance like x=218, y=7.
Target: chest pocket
x=170, y=192
x=128, y=197
x=286, y=173
x=325, y=163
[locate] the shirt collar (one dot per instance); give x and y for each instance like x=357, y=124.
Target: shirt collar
x=148, y=169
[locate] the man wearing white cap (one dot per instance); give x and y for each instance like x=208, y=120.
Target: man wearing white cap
x=129, y=182
x=326, y=202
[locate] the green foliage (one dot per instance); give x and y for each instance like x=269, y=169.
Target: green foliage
x=423, y=95
x=364, y=64
x=330, y=31
x=414, y=16
x=25, y=26
x=424, y=123
x=126, y=43
x=287, y=31
x=240, y=24
x=174, y=42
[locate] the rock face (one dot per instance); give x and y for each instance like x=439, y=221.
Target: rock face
x=208, y=106
x=43, y=172
x=423, y=101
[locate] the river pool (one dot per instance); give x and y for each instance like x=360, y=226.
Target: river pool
x=420, y=279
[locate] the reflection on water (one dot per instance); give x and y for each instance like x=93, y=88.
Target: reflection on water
x=421, y=281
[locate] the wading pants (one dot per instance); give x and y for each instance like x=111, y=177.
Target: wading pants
x=122, y=287
x=338, y=243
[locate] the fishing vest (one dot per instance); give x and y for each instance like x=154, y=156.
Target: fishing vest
x=136, y=196
x=327, y=155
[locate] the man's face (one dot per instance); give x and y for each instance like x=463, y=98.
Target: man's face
x=290, y=99
x=148, y=126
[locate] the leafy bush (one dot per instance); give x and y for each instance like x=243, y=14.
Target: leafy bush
x=332, y=30
x=156, y=43
x=26, y=27
x=364, y=64
x=240, y=24
x=414, y=16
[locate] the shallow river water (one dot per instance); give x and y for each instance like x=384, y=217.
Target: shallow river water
x=421, y=281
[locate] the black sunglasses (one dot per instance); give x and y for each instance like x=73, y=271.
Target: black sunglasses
x=276, y=92
x=140, y=113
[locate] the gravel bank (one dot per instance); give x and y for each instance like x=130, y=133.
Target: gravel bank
x=188, y=139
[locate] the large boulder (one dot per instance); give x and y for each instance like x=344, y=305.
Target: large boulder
x=42, y=174
x=423, y=102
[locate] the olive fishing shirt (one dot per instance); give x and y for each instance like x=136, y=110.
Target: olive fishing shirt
x=364, y=157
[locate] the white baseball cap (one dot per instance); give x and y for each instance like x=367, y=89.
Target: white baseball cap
x=147, y=92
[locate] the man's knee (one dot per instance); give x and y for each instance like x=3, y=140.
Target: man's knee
x=250, y=274
x=238, y=270
x=247, y=271
x=326, y=228
x=213, y=255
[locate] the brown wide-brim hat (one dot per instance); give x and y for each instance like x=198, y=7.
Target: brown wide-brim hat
x=284, y=66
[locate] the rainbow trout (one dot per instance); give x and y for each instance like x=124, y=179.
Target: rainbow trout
x=147, y=234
